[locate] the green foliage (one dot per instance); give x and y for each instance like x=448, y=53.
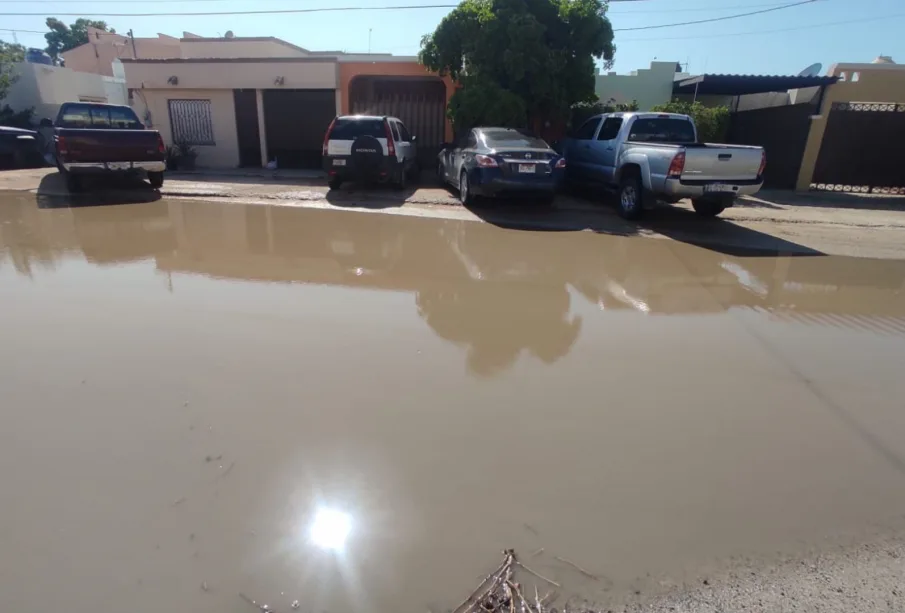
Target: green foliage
x=63, y=38
x=538, y=52
x=483, y=102
x=582, y=111
x=9, y=55
x=712, y=122
x=16, y=119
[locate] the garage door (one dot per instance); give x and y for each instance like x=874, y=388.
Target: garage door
x=295, y=121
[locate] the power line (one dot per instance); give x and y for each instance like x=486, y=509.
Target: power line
x=22, y=31
x=340, y=9
x=713, y=19
x=765, y=32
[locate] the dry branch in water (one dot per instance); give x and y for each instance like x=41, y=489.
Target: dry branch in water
x=499, y=592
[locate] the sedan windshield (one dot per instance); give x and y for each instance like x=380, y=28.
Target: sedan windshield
x=513, y=138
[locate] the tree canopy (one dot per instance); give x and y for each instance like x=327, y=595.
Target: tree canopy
x=63, y=38
x=10, y=53
x=517, y=60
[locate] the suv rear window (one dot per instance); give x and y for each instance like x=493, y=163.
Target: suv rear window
x=350, y=129
x=662, y=130
x=99, y=117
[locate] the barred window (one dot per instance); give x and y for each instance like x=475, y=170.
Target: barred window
x=190, y=121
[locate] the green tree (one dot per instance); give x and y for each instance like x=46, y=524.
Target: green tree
x=712, y=122
x=10, y=54
x=533, y=58
x=63, y=38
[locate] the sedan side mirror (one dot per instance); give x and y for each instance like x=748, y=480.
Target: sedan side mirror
x=414, y=139
x=46, y=123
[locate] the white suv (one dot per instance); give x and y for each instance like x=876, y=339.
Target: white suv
x=369, y=149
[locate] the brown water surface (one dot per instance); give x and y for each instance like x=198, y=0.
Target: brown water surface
x=187, y=388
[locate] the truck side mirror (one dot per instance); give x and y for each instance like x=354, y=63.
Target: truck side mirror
x=46, y=123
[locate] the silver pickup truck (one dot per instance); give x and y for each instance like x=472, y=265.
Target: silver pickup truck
x=657, y=156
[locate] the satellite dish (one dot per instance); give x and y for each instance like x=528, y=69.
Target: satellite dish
x=230, y=34
x=811, y=71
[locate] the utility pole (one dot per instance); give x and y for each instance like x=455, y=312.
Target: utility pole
x=132, y=37
x=369, y=41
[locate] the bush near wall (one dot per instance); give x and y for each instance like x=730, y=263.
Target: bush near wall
x=582, y=111
x=712, y=122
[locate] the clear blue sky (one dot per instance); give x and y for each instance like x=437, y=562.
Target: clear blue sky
x=745, y=45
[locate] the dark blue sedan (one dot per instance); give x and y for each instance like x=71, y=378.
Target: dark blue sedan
x=501, y=162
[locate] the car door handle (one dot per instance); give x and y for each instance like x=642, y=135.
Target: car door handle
x=609, y=148
x=586, y=146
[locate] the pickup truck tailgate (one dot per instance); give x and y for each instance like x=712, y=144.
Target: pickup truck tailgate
x=111, y=145
x=721, y=163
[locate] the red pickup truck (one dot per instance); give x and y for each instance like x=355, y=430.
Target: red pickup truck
x=90, y=138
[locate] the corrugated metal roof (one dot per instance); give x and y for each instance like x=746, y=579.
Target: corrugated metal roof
x=739, y=85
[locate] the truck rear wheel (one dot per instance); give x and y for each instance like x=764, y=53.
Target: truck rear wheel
x=631, y=204
x=155, y=179
x=707, y=208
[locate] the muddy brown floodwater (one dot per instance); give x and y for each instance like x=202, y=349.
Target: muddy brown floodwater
x=359, y=411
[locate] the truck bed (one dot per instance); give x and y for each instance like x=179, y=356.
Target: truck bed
x=714, y=161
x=107, y=145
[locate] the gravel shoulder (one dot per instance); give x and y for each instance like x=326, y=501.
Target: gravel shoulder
x=869, y=576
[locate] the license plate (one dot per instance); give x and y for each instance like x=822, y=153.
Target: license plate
x=718, y=187
x=339, y=162
x=526, y=168
x=119, y=165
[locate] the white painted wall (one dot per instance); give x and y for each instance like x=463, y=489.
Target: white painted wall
x=649, y=86
x=44, y=88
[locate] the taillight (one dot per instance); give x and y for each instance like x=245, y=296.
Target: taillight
x=763, y=164
x=62, y=147
x=391, y=146
x=560, y=163
x=485, y=161
x=327, y=136
x=161, y=148
x=676, y=166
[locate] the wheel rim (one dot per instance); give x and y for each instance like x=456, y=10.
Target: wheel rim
x=629, y=198
x=463, y=187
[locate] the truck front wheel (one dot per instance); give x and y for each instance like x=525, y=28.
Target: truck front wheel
x=707, y=208
x=630, y=197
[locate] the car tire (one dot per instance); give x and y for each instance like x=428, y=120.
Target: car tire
x=707, y=208
x=465, y=194
x=334, y=183
x=415, y=173
x=631, y=197
x=74, y=183
x=155, y=179
x=402, y=179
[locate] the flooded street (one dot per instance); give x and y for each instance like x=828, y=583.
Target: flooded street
x=359, y=411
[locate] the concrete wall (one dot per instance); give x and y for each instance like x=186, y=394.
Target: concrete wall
x=875, y=83
x=238, y=47
x=103, y=48
x=298, y=73
x=45, y=88
x=649, y=86
x=152, y=107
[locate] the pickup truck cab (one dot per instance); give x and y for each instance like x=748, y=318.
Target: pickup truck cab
x=656, y=156
x=90, y=138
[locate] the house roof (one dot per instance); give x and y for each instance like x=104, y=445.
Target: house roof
x=739, y=85
x=241, y=39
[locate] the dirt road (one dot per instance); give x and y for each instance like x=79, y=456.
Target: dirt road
x=359, y=409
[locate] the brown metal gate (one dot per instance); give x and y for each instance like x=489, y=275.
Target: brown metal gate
x=420, y=103
x=783, y=133
x=249, y=135
x=295, y=121
x=861, y=149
